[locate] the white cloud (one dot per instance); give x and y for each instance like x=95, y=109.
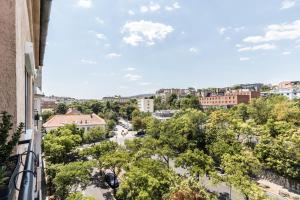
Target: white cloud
x=131, y=12
x=174, y=6
x=145, y=31
x=100, y=36
x=152, y=7
x=222, y=30
x=130, y=69
x=113, y=55
x=277, y=32
x=194, y=50
x=286, y=4
x=244, y=58
x=145, y=83
x=286, y=53
x=90, y=62
x=133, y=77
x=258, y=47
x=84, y=3
x=99, y=20
x=144, y=9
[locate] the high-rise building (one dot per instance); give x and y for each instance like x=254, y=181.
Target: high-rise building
x=146, y=105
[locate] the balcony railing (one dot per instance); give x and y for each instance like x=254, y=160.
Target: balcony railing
x=28, y=186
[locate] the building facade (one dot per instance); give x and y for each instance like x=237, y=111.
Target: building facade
x=85, y=122
x=228, y=100
x=23, y=32
x=117, y=99
x=146, y=105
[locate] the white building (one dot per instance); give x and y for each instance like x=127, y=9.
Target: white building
x=289, y=93
x=146, y=105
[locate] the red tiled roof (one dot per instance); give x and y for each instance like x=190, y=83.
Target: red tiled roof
x=61, y=120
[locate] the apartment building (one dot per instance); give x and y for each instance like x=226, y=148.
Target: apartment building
x=117, y=99
x=146, y=105
x=23, y=32
x=289, y=85
x=164, y=93
x=289, y=89
x=228, y=99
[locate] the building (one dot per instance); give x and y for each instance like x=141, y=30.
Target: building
x=249, y=86
x=164, y=114
x=85, y=122
x=289, y=85
x=48, y=106
x=289, y=89
x=228, y=99
x=117, y=99
x=146, y=105
x=164, y=93
x=290, y=93
x=23, y=33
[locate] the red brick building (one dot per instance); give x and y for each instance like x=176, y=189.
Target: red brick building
x=228, y=100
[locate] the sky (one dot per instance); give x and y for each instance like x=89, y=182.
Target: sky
x=99, y=48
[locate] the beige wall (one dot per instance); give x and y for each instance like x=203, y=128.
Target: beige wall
x=8, y=57
x=15, y=31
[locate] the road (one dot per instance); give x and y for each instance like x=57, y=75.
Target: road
x=122, y=134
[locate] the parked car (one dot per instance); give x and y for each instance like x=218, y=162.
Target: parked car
x=110, y=134
x=140, y=133
x=112, y=180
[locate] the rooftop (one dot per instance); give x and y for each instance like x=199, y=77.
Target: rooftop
x=78, y=119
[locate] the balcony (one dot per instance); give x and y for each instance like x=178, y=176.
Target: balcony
x=25, y=182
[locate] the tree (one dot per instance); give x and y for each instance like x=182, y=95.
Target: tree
x=171, y=100
x=114, y=161
x=196, y=162
x=111, y=124
x=281, y=154
x=100, y=149
x=239, y=170
x=190, y=190
x=260, y=110
x=61, y=108
x=71, y=176
x=47, y=115
x=94, y=135
x=7, y=144
x=138, y=123
x=58, y=144
x=146, y=179
x=79, y=196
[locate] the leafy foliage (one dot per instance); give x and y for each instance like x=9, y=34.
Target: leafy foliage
x=7, y=145
x=190, y=190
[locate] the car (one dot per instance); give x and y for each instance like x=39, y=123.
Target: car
x=112, y=180
x=110, y=134
x=140, y=133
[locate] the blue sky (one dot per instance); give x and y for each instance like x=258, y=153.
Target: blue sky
x=101, y=48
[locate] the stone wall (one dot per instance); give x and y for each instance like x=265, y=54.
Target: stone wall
x=290, y=184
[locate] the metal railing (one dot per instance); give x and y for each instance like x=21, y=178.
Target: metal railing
x=28, y=188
